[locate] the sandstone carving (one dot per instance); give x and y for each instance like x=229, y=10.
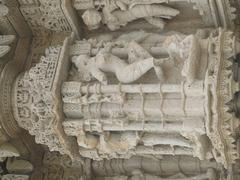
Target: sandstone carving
x=187, y=49
x=141, y=60
x=119, y=90
x=97, y=120
x=116, y=14
x=36, y=111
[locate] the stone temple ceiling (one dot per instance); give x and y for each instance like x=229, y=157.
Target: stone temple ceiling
x=119, y=89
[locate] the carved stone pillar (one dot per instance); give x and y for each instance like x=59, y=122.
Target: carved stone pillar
x=118, y=120
x=190, y=98
x=113, y=102
x=5, y=41
x=168, y=166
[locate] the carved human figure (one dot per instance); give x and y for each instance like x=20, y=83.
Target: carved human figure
x=184, y=49
x=117, y=13
x=104, y=61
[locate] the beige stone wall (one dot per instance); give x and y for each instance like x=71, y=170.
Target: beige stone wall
x=119, y=89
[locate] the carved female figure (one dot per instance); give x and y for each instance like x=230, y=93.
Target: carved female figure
x=125, y=73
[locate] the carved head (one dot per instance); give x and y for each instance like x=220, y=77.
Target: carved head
x=92, y=18
x=82, y=64
x=81, y=61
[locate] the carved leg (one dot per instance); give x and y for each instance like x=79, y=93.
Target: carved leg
x=159, y=22
x=158, y=69
x=134, y=71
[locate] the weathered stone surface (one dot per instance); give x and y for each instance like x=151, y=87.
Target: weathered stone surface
x=15, y=177
x=19, y=166
x=3, y=10
x=4, y=44
x=119, y=89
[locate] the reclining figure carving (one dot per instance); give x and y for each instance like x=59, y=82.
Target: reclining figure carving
x=105, y=61
x=118, y=13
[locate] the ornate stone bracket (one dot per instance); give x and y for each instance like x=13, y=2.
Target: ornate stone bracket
x=37, y=106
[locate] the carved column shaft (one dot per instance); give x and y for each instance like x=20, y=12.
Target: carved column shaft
x=167, y=166
x=195, y=90
x=170, y=107
x=75, y=126
x=167, y=99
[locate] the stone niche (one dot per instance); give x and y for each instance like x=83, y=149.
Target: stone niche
x=134, y=111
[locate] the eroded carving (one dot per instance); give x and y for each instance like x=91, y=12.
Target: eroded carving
x=186, y=49
x=35, y=108
x=58, y=166
x=117, y=13
x=123, y=105
x=5, y=41
x=99, y=123
x=141, y=62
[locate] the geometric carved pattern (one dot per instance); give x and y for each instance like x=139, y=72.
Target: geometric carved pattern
x=35, y=109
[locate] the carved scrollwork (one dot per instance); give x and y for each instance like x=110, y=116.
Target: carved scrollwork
x=35, y=110
x=47, y=14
